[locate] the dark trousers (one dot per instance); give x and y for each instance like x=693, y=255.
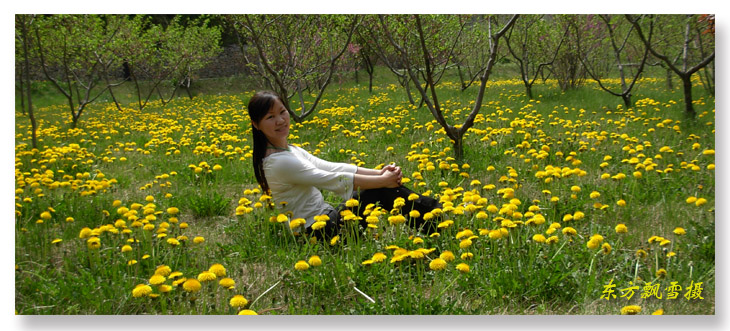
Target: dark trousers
x=384, y=198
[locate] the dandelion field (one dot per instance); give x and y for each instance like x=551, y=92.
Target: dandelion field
x=556, y=200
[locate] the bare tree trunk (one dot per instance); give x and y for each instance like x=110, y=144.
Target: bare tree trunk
x=670, y=86
x=687, y=84
x=22, y=91
x=627, y=100
x=31, y=116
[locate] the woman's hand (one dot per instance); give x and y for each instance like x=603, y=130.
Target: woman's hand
x=391, y=179
x=390, y=167
x=389, y=176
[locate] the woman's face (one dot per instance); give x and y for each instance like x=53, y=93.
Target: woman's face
x=275, y=124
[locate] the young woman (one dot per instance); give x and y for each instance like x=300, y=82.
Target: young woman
x=292, y=175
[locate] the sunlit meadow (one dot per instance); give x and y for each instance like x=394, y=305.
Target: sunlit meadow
x=565, y=204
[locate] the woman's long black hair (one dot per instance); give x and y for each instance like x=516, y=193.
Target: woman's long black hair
x=258, y=106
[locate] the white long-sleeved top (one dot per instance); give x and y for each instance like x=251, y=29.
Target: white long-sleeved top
x=295, y=176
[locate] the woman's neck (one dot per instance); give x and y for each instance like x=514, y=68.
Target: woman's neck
x=281, y=144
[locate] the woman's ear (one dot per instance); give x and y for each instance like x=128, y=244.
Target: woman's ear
x=254, y=125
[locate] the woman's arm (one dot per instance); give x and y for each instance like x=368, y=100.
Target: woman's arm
x=368, y=171
x=390, y=179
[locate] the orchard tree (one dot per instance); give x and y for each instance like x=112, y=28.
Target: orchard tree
x=400, y=31
x=706, y=27
x=23, y=49
x=164, y=58
x=691, y=39
x=534, y=44
x=365, y=55
x=291, y=54
x=391, y=37
x=566, y=67
x=614, y=48
x=74, y=56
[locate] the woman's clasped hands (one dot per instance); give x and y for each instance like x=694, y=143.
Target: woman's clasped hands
x=391, y=175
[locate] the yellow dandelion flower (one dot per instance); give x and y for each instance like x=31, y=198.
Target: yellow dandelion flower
x=352, y=203
x=334, y=240
x=595, y=194
x=281, y=218
x=661, y=273
x=606, y=248
x=495, y=234
x=539, y=238
x=315, y=261
x=659, y=311
x=319, y=225
x=301, y=265
x=569, y=231
x=163, y=270
x=247, y=312
x=173, y=242
x=206, y=276
x=447, y=256
x=700, y=202
x=463, y=267
x=227, y=283
x=182, y=281
x=641, y=253
x=445, y=224
x=593, y=243
x=467, y=256
x=157, y=279
x=192, y=285
x=437, y=264
x=552, y=240
x=85, y=233
x=238, y=301
x=464, y=244
x=621, y=228
x=164, y=288
x=141, y=290
x=218, y=270
x=296, y=223
x=173, y=210
x=679, y=231
x=93, y=243
x=198, y=240
x=630, y=310
x=378, y=257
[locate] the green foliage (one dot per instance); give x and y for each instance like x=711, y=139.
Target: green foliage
x=208, y=204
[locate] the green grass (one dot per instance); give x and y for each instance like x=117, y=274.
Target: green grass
x=512, y=275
